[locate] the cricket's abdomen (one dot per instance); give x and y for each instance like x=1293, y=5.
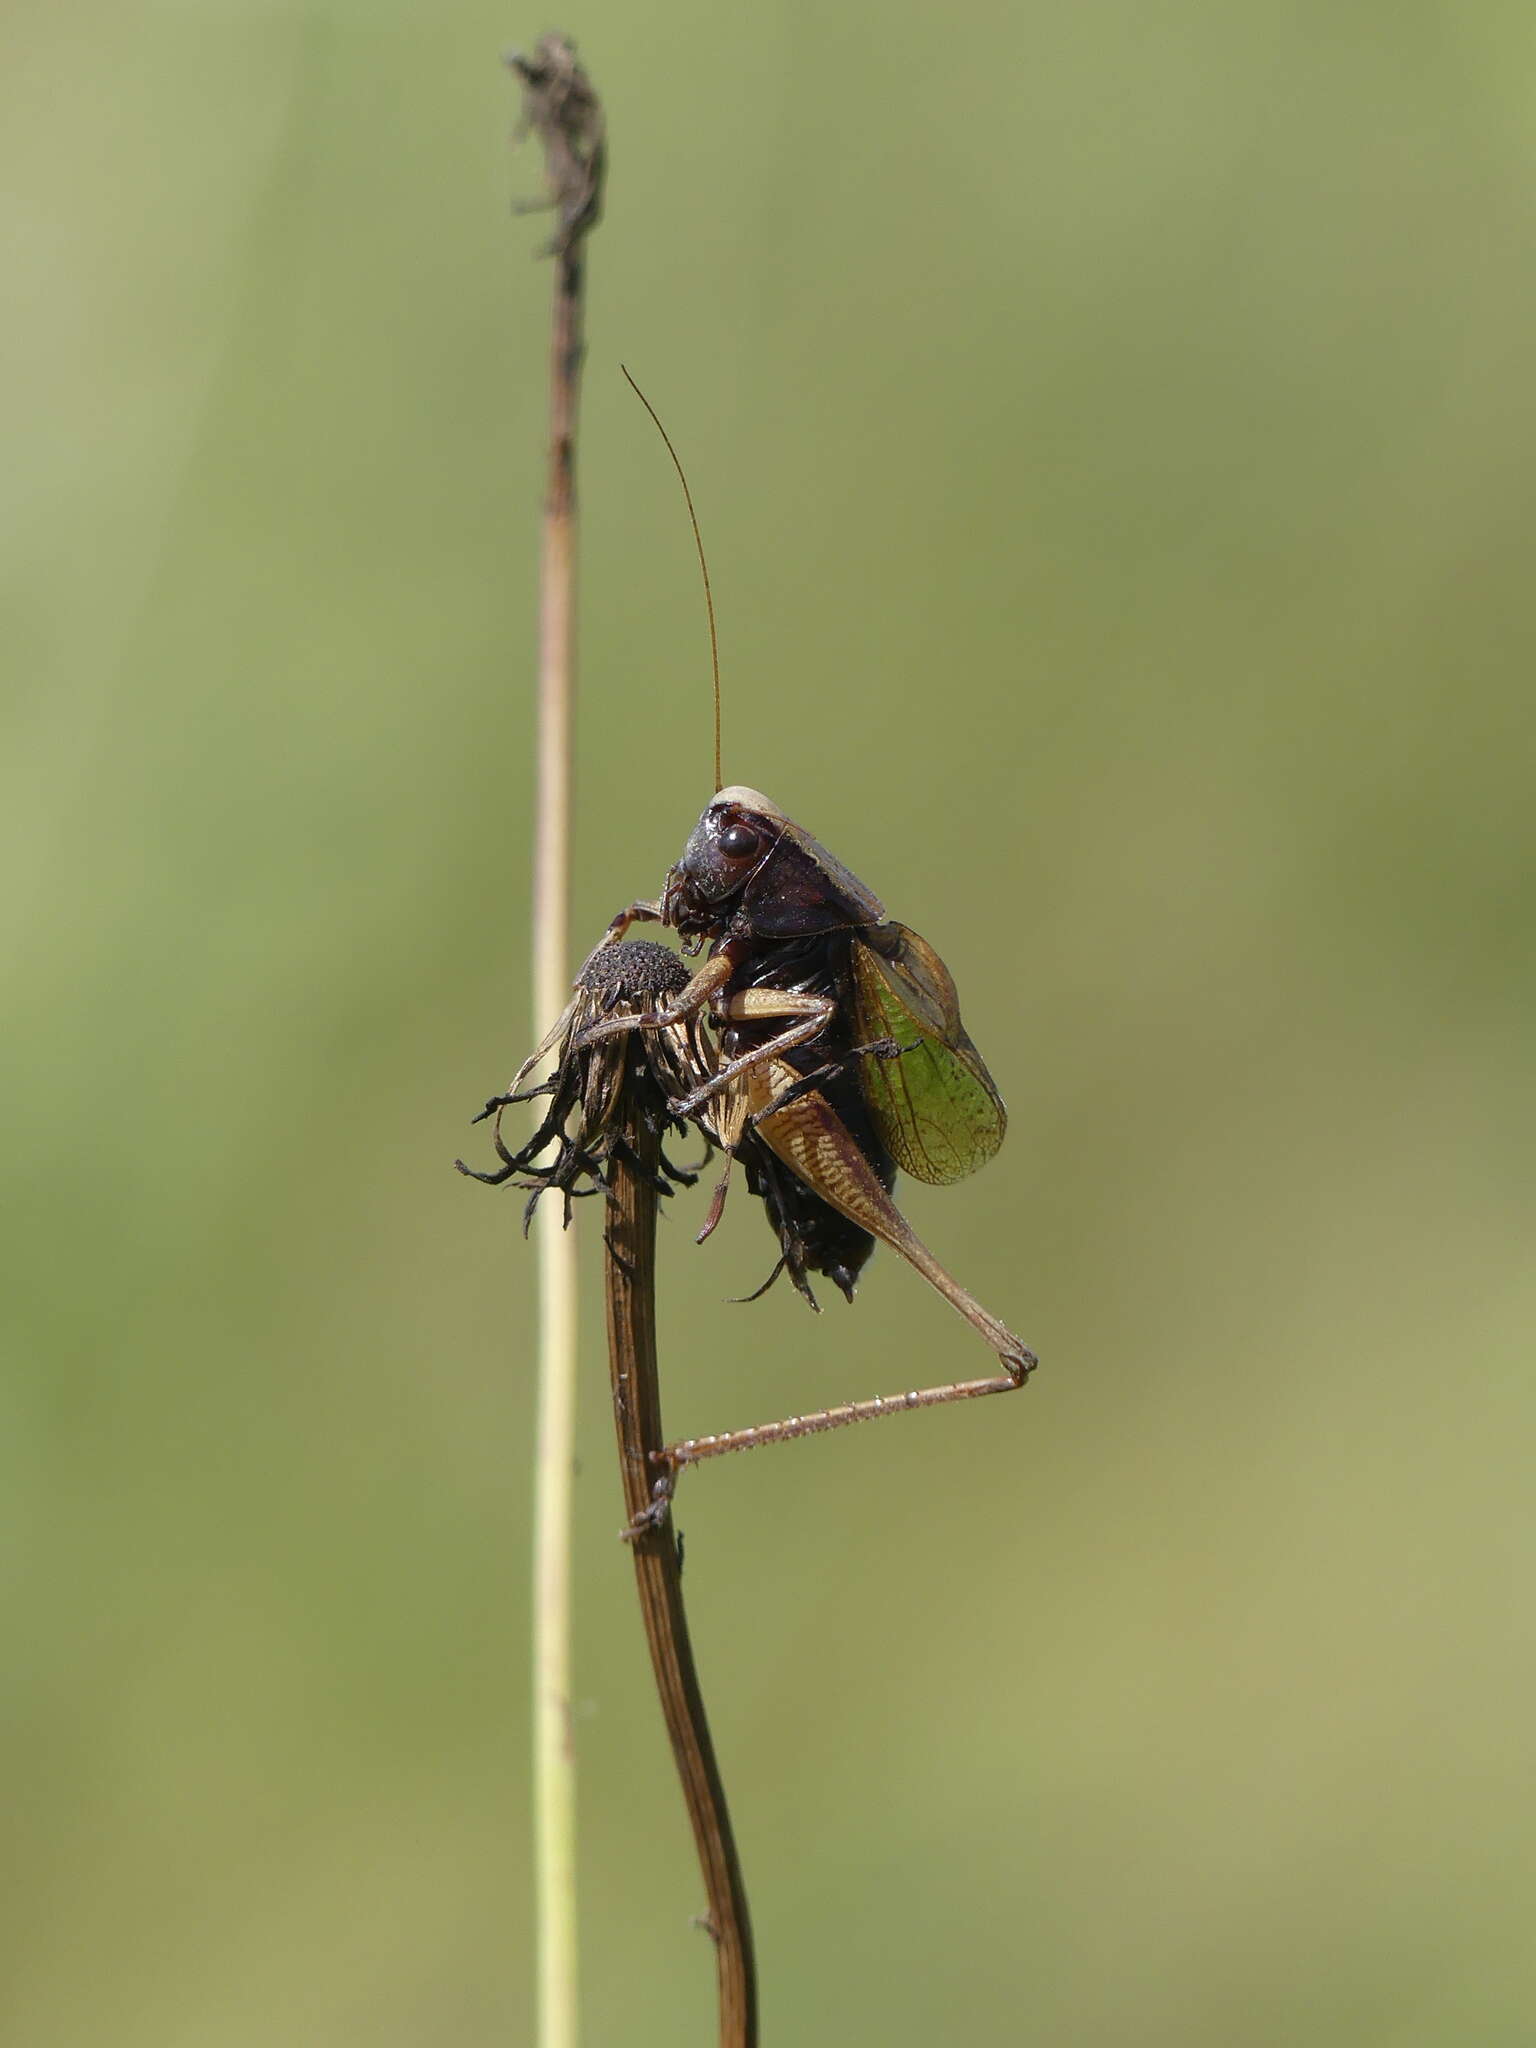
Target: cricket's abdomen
x=815, y=966
x=831, y=1237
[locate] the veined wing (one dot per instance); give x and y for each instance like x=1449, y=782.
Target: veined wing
x=935, y=1106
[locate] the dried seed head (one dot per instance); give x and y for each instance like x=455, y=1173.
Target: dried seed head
x=597, y=1091
x=639, y=967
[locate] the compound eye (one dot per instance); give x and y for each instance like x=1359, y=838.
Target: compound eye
x=739, y=842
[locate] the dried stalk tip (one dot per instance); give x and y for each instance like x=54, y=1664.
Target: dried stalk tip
x=560, y=107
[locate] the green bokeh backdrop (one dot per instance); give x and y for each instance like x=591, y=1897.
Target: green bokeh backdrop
x=1113, y=432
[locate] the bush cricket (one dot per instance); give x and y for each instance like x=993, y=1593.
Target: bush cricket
x=819, y=1042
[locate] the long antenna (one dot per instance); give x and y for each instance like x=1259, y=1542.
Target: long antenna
x=698, y=541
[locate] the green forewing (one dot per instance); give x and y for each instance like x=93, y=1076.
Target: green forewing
x=934, y=1106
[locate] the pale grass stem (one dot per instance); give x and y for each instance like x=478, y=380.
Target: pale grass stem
x=560, y=106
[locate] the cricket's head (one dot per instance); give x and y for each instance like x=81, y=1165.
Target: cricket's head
x=727, y=847
x=750, y=871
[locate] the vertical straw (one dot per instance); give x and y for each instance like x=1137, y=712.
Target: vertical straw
x=560, y=106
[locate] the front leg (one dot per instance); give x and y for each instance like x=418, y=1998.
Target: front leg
x=637, y=913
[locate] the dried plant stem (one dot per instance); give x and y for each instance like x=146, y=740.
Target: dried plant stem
x=630, y=1278
x=554, y=1755
x=561, y=107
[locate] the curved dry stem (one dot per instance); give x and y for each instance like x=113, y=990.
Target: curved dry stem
x=630, y=1268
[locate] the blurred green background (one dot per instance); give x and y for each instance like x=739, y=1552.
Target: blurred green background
x=1113, y=433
